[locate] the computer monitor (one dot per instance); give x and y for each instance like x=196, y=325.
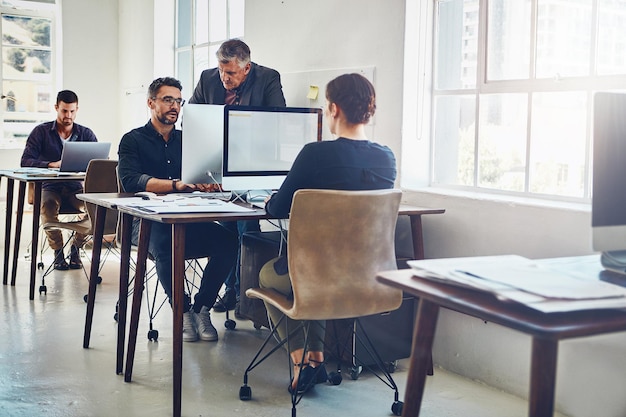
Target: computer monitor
x=608, y=207
x=203, y=139
x=261, y=143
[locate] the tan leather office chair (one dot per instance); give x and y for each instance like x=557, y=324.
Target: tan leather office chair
x=338, y=241
x=100, y=177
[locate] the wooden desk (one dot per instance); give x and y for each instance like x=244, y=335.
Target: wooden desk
x=545, y=329
x=23, y=179
x=178, y=222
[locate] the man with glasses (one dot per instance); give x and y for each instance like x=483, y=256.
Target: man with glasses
x=150, y=159
x=237, y=80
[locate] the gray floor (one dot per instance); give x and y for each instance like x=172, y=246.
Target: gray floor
x=45, y=370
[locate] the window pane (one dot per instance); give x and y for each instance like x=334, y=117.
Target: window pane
x=454, y=140
x=184, y=72
x=508, y=42
x=184, y=23
x=236, y=13
x=563, y=38
x=200, y=62
x=202, y=21
x=26, y=105
x=28, y=96
x=456, y=44
x=558, y=143
x=218, y=20
x=25, y=31
x=611, y=37
x=23, y=63
x=502, y=141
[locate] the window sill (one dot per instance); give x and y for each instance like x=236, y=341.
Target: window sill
x=502, y=199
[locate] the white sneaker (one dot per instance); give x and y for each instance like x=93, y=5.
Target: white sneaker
x=189, y=330
x=205, y=328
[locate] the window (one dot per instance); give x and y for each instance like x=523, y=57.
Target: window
x=512, y=91
x=29, y=74
x=201, y=27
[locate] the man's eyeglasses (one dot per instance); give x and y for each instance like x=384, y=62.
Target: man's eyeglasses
x=169, y=100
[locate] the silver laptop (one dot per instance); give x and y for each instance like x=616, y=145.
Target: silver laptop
x=76, y=155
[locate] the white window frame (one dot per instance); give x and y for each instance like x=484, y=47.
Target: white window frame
x=48, y=9
x=191, y=78
x=417, y=150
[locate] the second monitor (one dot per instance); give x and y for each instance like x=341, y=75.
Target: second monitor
x=261, y=143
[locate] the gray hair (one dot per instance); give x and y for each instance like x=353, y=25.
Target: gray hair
x=234, y=49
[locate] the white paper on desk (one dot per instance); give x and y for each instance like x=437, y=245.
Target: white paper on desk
x=539, y=280
x=574, y=291
x=188, y=205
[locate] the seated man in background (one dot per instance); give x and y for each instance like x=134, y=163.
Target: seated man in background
x=150, y=159
x=238, y=80
x=43, y=149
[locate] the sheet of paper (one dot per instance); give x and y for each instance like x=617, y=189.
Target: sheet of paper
x=177, y=204
x=545, y=287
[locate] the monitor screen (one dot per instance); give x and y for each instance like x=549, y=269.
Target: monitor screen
x=608, y=208
x=203, y=139
x=261, y=143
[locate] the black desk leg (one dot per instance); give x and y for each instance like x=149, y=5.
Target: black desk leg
x=126, y=230
x=420, y=360
x=98, y=230
x=543, y=377
x=18, y=228
x=140, y=275
x=7, y=229
x=178, y=292
x=35, y=244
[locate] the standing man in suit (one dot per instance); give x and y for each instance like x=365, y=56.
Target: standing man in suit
x=43, y=150
x=237, y=80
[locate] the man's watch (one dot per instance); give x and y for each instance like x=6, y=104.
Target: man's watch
x=174, y=185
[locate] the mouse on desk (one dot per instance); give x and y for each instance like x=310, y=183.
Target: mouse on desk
x=145, y=195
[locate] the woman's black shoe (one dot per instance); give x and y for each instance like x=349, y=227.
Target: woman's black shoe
x=305, y=380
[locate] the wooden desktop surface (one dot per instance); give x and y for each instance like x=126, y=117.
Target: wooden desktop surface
x=545, y=329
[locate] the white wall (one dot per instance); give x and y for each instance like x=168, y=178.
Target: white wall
x=113, y=49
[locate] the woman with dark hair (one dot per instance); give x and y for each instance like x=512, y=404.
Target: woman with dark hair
x=350, y=162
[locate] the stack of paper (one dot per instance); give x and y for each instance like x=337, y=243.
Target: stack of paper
x=515, y=278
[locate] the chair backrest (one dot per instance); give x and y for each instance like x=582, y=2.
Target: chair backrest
x=101, y=177
x=338, y=241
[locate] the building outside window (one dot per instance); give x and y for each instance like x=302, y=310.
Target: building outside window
x=29, y=68
x=512, y=92
x=201, y=27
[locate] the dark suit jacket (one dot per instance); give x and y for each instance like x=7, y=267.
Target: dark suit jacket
x=261, y=88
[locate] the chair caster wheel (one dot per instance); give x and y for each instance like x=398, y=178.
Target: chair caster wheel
x=153, y=335
x=99, y=280
x=40, y=265
x=396, y=408
x=43, y=289
x=257, y=326
x=86, y=297
x=335, y=378
x=230, y=324
x=355, y=371
x=245, y=393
